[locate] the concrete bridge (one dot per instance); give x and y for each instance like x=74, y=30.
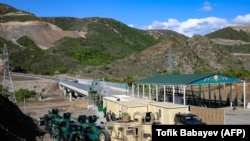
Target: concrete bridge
x=83, y=87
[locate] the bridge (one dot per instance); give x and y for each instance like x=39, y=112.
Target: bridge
x=84, y=87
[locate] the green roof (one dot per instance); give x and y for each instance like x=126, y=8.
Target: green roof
x=188, y=79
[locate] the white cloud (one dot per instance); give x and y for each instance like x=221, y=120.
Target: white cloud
x=244, y=20
x=201, y=26
x=206, y=6
x=191, y=26
x=131, y=25
x=171, y=23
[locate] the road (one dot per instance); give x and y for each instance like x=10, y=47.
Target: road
x=237, y=117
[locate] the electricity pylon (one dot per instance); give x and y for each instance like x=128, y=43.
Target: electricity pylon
x=7, y=81
x=170, y=62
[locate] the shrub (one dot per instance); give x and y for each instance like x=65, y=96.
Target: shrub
x=24, y=93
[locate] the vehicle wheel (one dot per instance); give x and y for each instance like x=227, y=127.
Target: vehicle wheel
x=63, y=138
x=104, y=136
x=79, y=138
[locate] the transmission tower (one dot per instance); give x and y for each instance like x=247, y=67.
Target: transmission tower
x=170, y=62
x=7, y=81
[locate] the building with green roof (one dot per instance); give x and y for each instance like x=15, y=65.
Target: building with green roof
x=181, y=86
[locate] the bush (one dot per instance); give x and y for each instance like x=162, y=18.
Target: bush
x=24, y=93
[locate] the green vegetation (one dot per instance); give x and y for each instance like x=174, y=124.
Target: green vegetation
x=15, y=14
x=127, y=79
x=20, y=18
x=66, y=23
x=76, y=49
x=22, y=94
x=230, y=33
x=26, y=42
x=241, y=73
x=107, y=40
x=31, y=58
x=5, y=9
x=203, y=70
x=237, y=48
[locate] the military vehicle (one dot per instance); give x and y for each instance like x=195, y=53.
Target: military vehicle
x=187, y=119
x=74, y=132
x=64, y=128
x=138, y=129
x=47, y=118
x=92, y=131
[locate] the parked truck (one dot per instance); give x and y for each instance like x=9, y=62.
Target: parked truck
x=138, y=129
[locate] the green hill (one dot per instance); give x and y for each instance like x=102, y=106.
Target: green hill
x=230, y=33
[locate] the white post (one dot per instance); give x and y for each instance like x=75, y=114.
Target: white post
x=173, y=94
x=24, y=104
x=231, y=95
x=156, y=91
x=65, y=91
x=164, y=93
x=143, y=91
x=127, y=88
x=244, y=91
x=70, y=96
x=133, y=93
x=138, y=91
x=184, y=95
x=149, y=93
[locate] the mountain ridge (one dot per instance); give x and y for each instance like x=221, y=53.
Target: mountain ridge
x=104, y=47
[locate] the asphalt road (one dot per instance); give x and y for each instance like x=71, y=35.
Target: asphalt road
x=237, y=117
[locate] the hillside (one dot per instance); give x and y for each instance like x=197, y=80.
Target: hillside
x=235, y=40
x=195, y=55
x=105, y=48
x=104, y=41
x=76, y=24
x=17, y=23
x=231, y=33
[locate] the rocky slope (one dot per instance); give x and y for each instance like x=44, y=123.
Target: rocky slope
x=42, y=33
x=174, y=55
x=17, y=23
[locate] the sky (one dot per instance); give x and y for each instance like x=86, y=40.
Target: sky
x=187, y=17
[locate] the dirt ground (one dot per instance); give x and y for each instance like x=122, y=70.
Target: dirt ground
x=37, y=109
x=52, y=98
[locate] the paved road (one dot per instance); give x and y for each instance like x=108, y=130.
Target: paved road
x=237, y=117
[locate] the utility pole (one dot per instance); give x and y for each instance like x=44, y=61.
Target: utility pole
x=7, y=81
x=170, y=61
